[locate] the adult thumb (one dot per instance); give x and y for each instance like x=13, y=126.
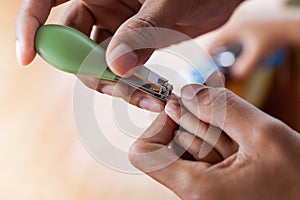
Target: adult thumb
x=139, y=36
x=225, y=110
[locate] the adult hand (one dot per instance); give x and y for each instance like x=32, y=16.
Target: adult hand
x=261, y=27
x=108, y=17
x=266, y=165
x=196, y=137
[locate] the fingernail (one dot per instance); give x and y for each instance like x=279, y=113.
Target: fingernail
x=108, y=89
x=171, y=107
x=150, y=104
x=189, y=92
x=123, y=58
x=196, y=92
x=112, y=90
x=19, y=52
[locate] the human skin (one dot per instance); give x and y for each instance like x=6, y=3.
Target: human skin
x=117, y=17
x=194, y=134
x=261, y=27
x=265, y=166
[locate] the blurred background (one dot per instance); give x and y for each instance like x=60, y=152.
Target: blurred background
x=41, y=156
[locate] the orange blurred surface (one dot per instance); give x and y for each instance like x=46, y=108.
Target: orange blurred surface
x=40, y=154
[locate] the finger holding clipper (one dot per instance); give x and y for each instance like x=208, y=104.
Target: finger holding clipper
x=139, y=36
x=71, y=51
x=198, y=129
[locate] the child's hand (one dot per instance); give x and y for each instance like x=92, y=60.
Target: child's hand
x=261, y=27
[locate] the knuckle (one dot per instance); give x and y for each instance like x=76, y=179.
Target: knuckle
x=222, y=99
x=215, y=96
x=211, y=103
x=230, y=97
x=148, y=20
x=142, y=21
x=204, y=96
x=143, y=31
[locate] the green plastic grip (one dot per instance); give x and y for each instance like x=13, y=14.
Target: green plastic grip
x=71, y=51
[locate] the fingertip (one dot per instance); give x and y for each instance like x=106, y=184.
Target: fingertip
x=25, y=35
x=151, y=105
x=24, y=57
x=108, y=89
x=114, y=90
x=189, y=92
x=122, y=60
x=171, y=108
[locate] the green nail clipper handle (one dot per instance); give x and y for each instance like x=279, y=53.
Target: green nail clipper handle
x=71, y=51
